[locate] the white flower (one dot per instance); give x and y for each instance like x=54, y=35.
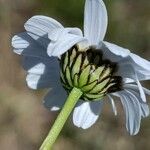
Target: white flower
x=45, y=40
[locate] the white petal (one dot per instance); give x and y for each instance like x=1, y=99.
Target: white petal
x=113, y=105
x=41, y=73
x=39, y=27
x=65, y=41
x=144, y=107
x=113, y=52
x=35, y=81
x=55, y=98
x=24, y=45
x=21, y=42
x=55, y=34
x=40, y=66
x=127, y=71
x=135, y=90
x=86, y=113
x=125, y=58
x=135, y=87
x=145, y=112
x=95, y=21
x=34, y=65
x=142, y=64
x=141, y=90
x=132, y=110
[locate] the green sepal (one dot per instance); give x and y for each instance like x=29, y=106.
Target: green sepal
x=76, y=80
x=72, y=56
x=105, y=73
x=98, y=88
x=107, y=87
x=62, y=77
x=68, y=76
x=76, y=66
x=96, y=74
x=85, y=63
x=84, y=76
x=66, y=60
x=89, y=86
x=66, y=86
x=94, y=96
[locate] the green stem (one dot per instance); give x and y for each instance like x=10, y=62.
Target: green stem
x=61, y=119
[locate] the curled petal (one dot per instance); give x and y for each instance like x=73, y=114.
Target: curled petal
x=95, y=21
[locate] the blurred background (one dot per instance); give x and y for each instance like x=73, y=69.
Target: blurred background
x=24, y=122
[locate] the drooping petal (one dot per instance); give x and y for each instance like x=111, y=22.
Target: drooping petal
x=113, y=105
x=55, y=98
x=95, y=21
x=141, y=90
x=144, y=107
x=133, y=89
x=127, y=71
x=132, y=110
x=39, y=27
x=113, y=52
x=142, y=66
x=63, y=39
x=86, y=113
x=125, y=58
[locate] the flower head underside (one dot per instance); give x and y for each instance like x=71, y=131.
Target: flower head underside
x=89, y=72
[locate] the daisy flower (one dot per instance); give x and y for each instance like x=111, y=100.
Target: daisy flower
x=66, y=58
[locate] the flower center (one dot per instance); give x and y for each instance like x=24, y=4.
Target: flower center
x=88, y=71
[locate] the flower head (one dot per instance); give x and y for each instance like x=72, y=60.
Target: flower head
x=85, y=61
x=87, y=71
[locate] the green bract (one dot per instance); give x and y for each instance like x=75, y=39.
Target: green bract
x=87, y=71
